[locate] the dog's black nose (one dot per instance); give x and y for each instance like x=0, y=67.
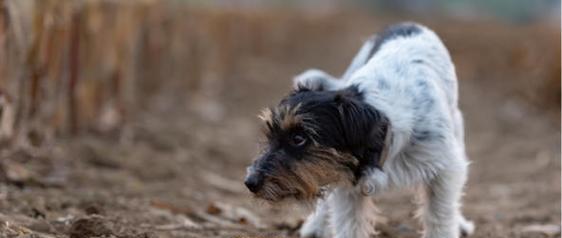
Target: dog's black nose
x=254, y=183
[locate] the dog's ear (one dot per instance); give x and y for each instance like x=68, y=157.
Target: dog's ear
x=365, y=129
x=383, y=156
x=378, y=141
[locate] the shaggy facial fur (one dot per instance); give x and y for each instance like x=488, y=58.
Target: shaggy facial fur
x=316, y=139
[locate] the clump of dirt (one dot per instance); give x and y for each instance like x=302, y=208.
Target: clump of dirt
x=90, y=226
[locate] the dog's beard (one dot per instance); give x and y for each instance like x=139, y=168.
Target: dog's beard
x=307, y=179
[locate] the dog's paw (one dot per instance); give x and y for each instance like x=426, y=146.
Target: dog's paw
x=311, y=232
x=312, y=79
x=367, y=189
x=467, y=228
x=314, y=227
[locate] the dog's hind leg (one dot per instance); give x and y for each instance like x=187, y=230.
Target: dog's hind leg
x=440, y=212
x=317, y=80
x=466, y=226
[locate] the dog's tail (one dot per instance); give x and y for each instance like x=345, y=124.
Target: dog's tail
x=361, y=57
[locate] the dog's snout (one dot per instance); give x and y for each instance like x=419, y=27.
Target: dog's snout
x=254, y=182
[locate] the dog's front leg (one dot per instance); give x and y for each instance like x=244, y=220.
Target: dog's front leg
x=317, y=80
x=316, y=224
x=352, y=214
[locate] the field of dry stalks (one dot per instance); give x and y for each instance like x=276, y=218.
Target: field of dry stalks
x=137, y=118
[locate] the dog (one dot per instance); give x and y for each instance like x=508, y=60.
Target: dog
x=391, y=121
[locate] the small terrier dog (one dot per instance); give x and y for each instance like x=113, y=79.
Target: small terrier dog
x=391, y=121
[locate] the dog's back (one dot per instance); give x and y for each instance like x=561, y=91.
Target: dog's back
x=408, y=74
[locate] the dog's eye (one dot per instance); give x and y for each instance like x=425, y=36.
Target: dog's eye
x=298, y=140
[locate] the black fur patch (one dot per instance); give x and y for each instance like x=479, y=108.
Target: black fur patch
x=343, y=121
x=405, y=29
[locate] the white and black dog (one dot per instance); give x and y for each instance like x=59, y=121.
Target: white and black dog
x=392, y=121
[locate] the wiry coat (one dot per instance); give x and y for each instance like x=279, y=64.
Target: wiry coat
x=407, y=74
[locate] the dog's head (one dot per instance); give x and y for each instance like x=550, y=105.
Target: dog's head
x=316, y=139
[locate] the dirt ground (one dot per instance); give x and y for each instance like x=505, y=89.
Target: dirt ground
x=177, y=172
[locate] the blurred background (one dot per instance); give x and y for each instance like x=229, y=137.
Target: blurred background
x=138, y=118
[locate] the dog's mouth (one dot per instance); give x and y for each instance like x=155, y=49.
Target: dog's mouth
x=279, y=195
